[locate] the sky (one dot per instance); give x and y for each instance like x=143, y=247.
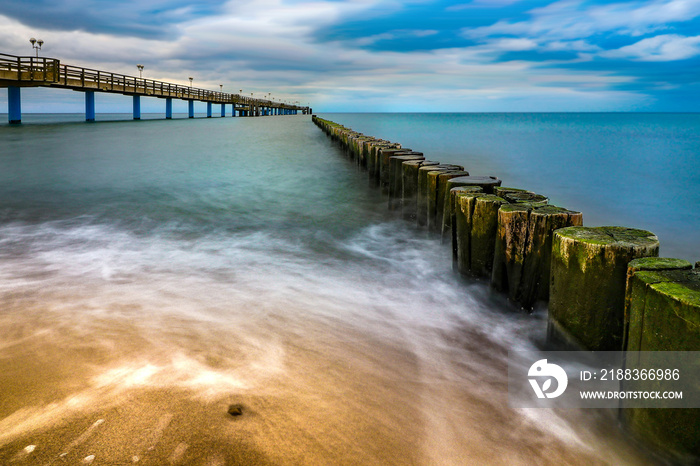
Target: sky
x=377, y=55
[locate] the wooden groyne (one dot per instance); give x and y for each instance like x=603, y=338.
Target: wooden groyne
x=17, y=72
x=605, y=287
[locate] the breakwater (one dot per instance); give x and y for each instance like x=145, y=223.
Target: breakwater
x=606, y=288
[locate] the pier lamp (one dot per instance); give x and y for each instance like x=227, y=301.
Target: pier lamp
x=140, y=67
x=36, y=45
x=191, y=79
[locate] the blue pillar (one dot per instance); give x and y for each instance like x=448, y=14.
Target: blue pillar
x=168, y=108
x=190, y=108
x=137, y=107
x=89, y=105
x=223, y=110
x=233, y=110
x=14, y=105
x=208, y=109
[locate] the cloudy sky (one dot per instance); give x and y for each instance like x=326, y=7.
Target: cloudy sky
x=380, y=55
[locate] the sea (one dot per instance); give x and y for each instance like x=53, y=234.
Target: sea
x=155, y=273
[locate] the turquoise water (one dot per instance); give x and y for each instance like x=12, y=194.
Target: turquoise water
x=154, y=272
x=640, y=170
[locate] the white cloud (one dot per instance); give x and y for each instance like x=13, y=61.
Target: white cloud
x=270, y=46
x=575, y=20
x=666, y=47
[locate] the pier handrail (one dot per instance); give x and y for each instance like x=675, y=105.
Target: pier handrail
x=50, y=71
x=31, y=68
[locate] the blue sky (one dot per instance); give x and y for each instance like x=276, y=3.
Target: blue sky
x=379, y=55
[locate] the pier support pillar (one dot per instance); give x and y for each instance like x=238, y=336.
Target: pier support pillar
x=14, y=105
x=208, y=109
x=168, y=108
x=233, y=110
x=223, y=110
x=137, y=107
x=89, y=105
x=190, y=108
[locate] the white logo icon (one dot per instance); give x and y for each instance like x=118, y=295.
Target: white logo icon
x=551, y=371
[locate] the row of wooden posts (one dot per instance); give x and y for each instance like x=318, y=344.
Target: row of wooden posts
x=606, y=287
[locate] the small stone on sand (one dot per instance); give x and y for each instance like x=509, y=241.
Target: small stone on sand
x=235, y=409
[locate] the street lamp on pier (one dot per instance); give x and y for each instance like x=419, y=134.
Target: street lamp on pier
x=191, y=79
x=36, y=45
x=140, y=67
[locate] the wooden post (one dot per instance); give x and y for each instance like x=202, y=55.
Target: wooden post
x=453, y=199
x=515, y=195
x=436, y=196
x=476, y=221
x=522, y=256
x=587, y=287
x=662, y=303
x=487, y=183
x=383, y=166
x=423, y=189
x=396, y=176
x=409, y=186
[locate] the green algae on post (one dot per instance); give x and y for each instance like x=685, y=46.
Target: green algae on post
x=441, y=190
x=409, y=186
x=464, y=213
x=451, y=212
x=486, y=183
x=423, y=189
x=662, y=303
x=522, y=255
x=475, y=223
x=587, y=286
x=396, y=176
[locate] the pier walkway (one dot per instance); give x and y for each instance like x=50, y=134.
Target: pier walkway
x=17, y=72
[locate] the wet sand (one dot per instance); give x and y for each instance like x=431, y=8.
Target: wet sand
x=113, y=391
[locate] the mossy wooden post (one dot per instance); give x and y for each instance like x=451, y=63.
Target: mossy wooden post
x=515, y=195
x=360, y=145
x=522, y=257
x=409, y=186
x=487, y=183
x=476, y=220
x=373, y=161
x=436, y=192
x=635, y=294
x=587, y=287
x=662, y=303
x=422, y=194
x=464, y=213
x=453, y=196
x=383, y=166
x=396, y=176
x=483, y=235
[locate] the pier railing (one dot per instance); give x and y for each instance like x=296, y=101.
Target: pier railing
x=38, y=69
x=42, y=71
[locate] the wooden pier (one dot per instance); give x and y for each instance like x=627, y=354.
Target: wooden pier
x=17, y=72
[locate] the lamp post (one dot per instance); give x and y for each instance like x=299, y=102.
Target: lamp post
x=191, y=79
x=36, y=45
x=140, y=67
